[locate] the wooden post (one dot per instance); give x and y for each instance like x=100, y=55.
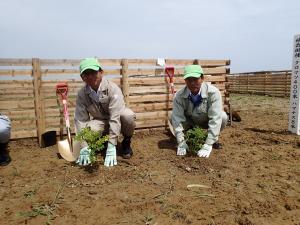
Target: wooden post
x=248, y=84
x=124, y=81
x=265, y=83
x=39, y=107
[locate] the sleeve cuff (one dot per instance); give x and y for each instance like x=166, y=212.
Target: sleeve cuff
x=209, y=142
x=113, y=141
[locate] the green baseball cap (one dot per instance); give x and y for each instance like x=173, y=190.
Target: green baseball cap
x=89, y=63
x=192, y=71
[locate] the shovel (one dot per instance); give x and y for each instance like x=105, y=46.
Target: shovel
x=169, y=71
x=68, y=149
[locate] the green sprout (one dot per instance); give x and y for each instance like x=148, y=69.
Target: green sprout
x=94, y=139
x=195, y=138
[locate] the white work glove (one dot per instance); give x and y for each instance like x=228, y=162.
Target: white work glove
x=111, y=155
x=182, y=148
x=205, y=151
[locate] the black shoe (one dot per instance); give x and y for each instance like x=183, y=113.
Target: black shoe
x=217, y=145
x=126, y=149
x=4, y=155
x=4, y=160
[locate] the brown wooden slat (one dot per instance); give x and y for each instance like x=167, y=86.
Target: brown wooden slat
x=164, y=80
x=24, y=124
x=148, y=107
x=15, y=62
x=23, y=113
x=68, y=72
x=16, y=91
x=151, y=115
x=16, y=82
x=23, y=134
x=204, y=63
x=147, y=98
x=150, y=123
x=177, y=72
x=13, y=73
x=75, y=62
x=27, y=104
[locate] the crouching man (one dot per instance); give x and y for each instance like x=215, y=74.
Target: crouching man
x=198, y=104
x=5, y=127
x=100, y=106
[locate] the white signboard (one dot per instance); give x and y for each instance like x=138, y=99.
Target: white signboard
x=294, y=114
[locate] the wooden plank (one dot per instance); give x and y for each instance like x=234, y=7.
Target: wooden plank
x=181, y=62
x=203, y=63
x=150, y=98
x=162, y=80
x=142, y=62
x=162, y=89
x=15, y=72
x=68, y=72
x=23, y=134
x=110, y=62
x=21, y=114
x=11, y=104
x=23, y=124
x=11, y=91
x=15, y=62
x=147, y=107
x=151, y=123
x=72, y=83
x=76, y=62
x=177, y=72
x=16, y=96
x=151, y=115
x=16, y=81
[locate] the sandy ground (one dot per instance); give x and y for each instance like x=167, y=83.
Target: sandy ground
x=254, y=179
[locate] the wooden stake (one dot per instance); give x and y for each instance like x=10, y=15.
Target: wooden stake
x=124, y=81
x=39, y=107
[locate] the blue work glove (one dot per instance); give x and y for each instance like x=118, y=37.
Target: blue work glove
x=111, y=155
x=84, y=157
x=205, y=151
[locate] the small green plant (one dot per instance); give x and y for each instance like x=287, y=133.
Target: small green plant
x=94, y=139
x=195, y=138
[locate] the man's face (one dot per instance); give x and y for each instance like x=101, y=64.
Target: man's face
x=92, y=78
x=193, y=84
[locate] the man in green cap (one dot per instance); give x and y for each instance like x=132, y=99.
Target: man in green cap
x=100, y=105
x=198, y=104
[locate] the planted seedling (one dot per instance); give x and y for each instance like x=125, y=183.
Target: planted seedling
x=195, y=138
x=94, y=139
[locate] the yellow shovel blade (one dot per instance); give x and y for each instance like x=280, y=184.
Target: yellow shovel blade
x=66, y=152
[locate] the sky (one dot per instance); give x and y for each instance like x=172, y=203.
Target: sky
x=254, y=34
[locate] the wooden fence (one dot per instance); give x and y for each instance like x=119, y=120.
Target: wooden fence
x=28, y=89
x=273, y=83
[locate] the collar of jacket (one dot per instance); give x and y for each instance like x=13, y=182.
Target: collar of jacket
x=102, y=88
x=203, y=91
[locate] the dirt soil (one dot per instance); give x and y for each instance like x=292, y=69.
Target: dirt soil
x=254, y=179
